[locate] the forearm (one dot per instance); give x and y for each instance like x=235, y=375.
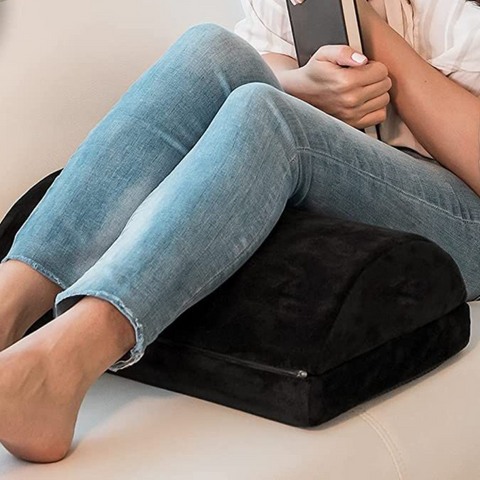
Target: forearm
x=442, y=115
x=282, y=66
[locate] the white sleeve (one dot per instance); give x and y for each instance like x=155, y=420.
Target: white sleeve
x=460, y=46
x=266, y=26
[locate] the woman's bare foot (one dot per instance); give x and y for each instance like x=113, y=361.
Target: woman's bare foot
x=45, y=376
x=38, y=406
x=13, y=327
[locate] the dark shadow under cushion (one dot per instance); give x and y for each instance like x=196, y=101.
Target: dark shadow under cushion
x=326, y=314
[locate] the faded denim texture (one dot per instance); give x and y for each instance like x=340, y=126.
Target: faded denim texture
x=186, y=176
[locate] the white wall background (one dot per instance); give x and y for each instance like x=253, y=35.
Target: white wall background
x=64, y=63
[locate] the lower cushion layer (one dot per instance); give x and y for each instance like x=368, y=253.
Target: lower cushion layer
x=291, y=397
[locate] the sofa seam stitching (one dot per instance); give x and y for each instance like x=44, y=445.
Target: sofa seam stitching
x=387, y=440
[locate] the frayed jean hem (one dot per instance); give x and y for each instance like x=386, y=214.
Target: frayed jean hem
x=39, y=268
x=135, y=353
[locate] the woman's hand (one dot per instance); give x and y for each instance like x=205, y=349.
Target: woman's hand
x=333, y=81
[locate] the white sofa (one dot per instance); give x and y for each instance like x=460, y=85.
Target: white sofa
x=63, y=65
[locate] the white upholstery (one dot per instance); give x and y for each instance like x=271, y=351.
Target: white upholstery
x=64, y=64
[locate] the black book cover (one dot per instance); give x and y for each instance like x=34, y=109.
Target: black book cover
x=326, y=22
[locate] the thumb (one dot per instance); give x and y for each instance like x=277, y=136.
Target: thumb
x=342, y=55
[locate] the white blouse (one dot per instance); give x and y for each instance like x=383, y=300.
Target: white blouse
x=446, y=33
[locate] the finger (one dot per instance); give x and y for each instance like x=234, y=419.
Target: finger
x=370, y=73
x=342, y=55
x=373, y=118
x=375, y=89
x=373, y=105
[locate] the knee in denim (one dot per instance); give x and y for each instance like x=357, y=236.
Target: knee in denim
x=256, y=97
x=212, y=37
x=222, y=50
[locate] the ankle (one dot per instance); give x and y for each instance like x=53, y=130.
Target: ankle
x=26, y=294
x=93, y=334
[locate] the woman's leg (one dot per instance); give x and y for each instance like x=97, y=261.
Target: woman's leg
x=133, y=149
x=263, y=150
x=26, y=295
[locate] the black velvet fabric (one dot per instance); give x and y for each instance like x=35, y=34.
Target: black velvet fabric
x=21, y=210
x=326, y=314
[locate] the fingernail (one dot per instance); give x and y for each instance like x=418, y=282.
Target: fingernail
x=358, y=57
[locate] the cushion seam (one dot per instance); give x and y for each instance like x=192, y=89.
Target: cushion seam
x=277, y=370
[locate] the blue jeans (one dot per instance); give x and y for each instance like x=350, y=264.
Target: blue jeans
x=187, y=175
